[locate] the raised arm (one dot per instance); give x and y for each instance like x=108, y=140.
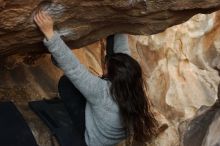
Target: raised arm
x=121, y=44
x=76, y=72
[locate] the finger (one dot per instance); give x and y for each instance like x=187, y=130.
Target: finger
x=35, y=15
x=40, y=16
x=47, y=16
x=38, y=12
x=38, y=23
x=35, y=19
x=43, y=15
x=38, y=20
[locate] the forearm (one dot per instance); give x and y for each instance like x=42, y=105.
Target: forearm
x=67, y=61
x=76, y=72
x=121, y=44
x=61, y=52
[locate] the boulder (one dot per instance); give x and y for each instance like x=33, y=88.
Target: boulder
x=177, y=63
x=86, y=21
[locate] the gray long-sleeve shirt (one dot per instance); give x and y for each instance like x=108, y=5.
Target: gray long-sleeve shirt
x=102, y=117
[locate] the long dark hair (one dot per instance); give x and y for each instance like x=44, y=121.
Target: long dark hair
x=129, y=92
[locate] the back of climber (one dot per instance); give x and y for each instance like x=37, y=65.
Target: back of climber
x=104, y=112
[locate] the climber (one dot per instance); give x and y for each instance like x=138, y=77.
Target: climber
x=104, y=111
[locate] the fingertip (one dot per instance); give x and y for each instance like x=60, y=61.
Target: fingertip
x=43, y=12
x=38, y=20
x=38, y=12
x=37, y=16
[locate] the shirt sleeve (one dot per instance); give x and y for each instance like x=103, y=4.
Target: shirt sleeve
x=121, y=44
x=87, y=83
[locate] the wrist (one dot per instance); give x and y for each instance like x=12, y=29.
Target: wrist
x=49, y=34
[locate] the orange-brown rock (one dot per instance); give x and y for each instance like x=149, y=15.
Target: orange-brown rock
x=177, y=63
x=86, y=21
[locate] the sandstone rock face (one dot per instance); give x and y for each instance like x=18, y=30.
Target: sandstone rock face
x=178, y=66
x=83, y=22
x=179, y=69
x=202, y=129
x=23, y=83
x=178, y=63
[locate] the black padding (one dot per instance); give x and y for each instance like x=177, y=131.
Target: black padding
x=54, y=114
x=14, y=131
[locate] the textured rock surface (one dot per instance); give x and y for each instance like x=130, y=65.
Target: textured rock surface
x=212, y=137
x=26, y=83
x=178, y=65
x=83, y=22
x=203, y=130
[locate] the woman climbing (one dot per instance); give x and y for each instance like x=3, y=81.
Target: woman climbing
x=104, y=111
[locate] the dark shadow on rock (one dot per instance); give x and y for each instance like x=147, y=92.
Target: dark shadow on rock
x=197, y=131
